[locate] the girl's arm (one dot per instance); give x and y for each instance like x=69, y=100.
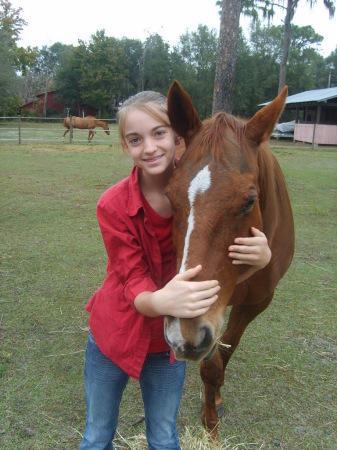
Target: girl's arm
x=187, y=299
x=253, y=251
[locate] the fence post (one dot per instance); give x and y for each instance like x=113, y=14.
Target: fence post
x=70, y=128
x=313, y=137
x=19, y=124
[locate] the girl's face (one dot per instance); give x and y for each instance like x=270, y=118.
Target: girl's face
x=150, y=143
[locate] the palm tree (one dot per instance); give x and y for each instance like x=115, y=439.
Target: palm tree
x=290, y=11
x=228, y=40
x=226, y=56
x=227, y=46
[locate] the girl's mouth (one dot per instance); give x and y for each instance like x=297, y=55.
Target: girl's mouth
x=153, y=159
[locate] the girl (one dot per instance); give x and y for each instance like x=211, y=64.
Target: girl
x=141, y=286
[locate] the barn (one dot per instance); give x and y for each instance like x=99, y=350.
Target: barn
x=315, y=116
x=55, y=107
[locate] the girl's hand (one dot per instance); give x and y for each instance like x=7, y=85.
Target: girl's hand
x=253, y=251
x=183, y=298
x=180, y=297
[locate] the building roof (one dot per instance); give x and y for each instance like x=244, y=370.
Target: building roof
x=315, y=96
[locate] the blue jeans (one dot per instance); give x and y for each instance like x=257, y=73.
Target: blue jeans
x=161, y=384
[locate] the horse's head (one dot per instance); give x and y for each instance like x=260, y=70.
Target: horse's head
x=214, y=194
x=106, y=128
x=102, y=124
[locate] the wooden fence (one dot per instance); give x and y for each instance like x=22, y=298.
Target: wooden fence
x=21, y=129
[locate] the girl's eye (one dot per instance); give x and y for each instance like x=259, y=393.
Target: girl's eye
x=134, y=141
x=160, y=133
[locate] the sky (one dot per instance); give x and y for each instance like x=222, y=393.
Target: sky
x=66, y=21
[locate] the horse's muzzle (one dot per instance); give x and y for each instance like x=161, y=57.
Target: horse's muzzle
x=202, y=347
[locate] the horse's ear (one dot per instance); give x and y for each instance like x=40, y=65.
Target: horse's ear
x=261, y=126
x=183, y=117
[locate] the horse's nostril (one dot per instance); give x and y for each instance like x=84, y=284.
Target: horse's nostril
x=206, y=337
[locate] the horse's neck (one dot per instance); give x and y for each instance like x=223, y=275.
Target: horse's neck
x=266, y=175
x=273, y=192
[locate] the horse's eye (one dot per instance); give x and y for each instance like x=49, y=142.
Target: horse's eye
x=247, y=206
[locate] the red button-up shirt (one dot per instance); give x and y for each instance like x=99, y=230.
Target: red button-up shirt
x=134, y=266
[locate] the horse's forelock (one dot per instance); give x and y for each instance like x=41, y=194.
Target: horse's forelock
x=218, y=133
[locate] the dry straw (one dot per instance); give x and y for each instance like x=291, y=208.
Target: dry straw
x=192, y=439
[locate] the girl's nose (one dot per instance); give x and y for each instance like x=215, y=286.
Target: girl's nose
x=150, y=145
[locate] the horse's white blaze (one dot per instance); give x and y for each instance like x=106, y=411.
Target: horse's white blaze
x=199, y=185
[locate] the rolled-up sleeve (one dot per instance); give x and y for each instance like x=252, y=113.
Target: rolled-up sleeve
x=124, y=250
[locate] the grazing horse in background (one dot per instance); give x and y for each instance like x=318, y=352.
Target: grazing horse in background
x=85, y=123
x=226, y=181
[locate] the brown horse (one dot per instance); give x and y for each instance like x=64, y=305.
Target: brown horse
x=226, y=182
x=85, y=123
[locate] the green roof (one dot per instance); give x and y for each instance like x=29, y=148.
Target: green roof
x=317, y=95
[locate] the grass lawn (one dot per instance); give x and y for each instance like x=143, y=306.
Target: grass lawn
x=280, y=387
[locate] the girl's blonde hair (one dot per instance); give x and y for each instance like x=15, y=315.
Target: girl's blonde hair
x=153, y=103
